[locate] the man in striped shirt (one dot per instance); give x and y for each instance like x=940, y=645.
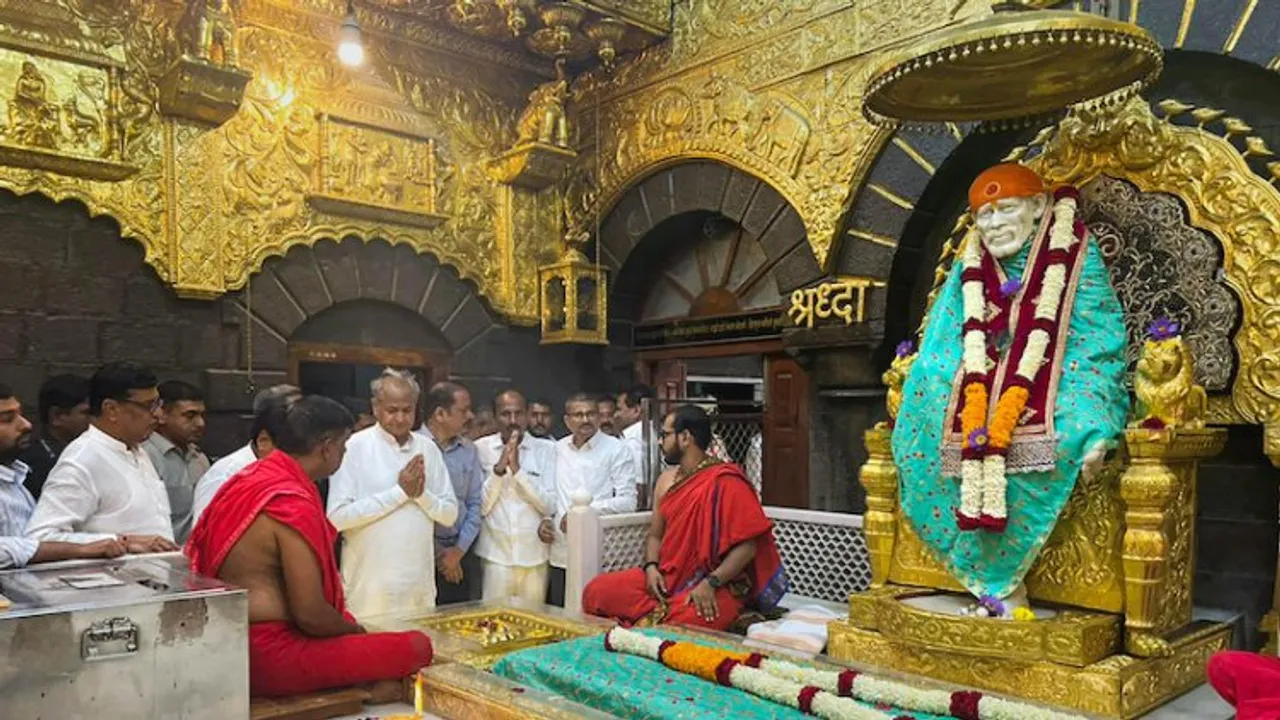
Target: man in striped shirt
x=16, y=503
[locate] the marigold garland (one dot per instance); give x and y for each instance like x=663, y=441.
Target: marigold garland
x=982, y=476
x=822, y=693
x=1008, y=412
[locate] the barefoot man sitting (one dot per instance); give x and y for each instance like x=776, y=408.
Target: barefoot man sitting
x=710, y=551
x=266, y=531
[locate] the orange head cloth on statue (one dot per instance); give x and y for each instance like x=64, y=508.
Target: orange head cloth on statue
x=1006, y=180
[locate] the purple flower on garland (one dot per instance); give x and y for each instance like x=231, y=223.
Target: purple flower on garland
x=978, y=439
x=1164, y=328
x=992, y=605
x=905, y=348
x=1010, y=287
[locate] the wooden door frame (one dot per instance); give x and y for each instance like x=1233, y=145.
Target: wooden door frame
x=646, y=359
x=339, y=354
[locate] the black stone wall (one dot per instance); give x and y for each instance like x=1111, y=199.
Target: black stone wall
x=74, y=294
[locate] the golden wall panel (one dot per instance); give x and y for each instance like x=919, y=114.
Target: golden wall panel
x=771, y=88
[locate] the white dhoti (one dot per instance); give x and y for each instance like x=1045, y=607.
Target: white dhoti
x=507, y=581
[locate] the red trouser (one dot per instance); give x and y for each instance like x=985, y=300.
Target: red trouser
x=623, y=595
x=284, y=662
x=1249, y=681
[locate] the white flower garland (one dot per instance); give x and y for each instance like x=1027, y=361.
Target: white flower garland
x=982, y=480
x=782, y=682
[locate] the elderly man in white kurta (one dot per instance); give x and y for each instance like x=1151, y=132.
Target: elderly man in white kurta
x=591, y=461
x=386, y=498
x=519, y=498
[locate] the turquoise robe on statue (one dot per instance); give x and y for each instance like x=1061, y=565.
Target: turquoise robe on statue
x=1092, y=404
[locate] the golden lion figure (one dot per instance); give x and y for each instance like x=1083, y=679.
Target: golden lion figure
x=545, y=120
x=896, y=376
x=1167, y=393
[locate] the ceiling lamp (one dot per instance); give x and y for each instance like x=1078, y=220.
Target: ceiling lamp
x=1015, y=66
x=350, y=39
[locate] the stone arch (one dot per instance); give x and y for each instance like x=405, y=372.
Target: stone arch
x=700, y=189
x=886, y=232
x=307, y=281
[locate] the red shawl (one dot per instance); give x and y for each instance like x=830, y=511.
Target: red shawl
x=277, y=486
x=705, y=516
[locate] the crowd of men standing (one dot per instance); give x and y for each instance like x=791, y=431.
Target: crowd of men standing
x=436, y=501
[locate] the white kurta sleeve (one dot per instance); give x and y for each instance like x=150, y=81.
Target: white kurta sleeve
x=67, y=501
x=622, y=475
x=348, y=510
x=494, y=486
x=438, y=500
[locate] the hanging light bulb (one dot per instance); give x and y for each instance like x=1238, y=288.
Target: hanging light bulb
x=350, y=40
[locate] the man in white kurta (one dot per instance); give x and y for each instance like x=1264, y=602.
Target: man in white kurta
x=385, y=499
x=592, y=461
x=519, y=498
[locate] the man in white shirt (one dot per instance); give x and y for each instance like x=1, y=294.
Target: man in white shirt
x=631, y=418
x=269, y=409
x=104, y=485
x=174, y=451
x=386, y=498
x=16, y=503
x=519, y=498
x=589, y=460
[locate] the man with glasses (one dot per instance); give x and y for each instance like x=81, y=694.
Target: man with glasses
x=589, y=460
x=104, y=485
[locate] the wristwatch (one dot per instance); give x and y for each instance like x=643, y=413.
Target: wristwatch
x=715, y=582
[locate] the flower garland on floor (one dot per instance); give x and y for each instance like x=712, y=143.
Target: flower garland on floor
x=826, y=694
x=987, y=440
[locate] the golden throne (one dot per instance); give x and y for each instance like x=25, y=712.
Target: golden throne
x=1119, y=566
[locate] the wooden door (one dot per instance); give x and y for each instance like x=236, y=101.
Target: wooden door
x=786, y=433
x=668, y=380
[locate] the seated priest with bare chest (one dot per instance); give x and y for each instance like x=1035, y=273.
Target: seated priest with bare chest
x=1017, y=389
x=710, y=552
x=266, y=531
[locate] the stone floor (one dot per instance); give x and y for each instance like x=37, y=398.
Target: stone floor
x=1200, y=704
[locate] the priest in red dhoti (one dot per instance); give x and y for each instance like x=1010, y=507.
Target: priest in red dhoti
x=710, y=552
x=1250, y=682
x=266, y=531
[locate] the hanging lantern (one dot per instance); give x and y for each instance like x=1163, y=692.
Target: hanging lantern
x=574, y=298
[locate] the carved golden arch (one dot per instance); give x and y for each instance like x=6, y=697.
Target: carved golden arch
x=1223, y=197
x=636, y=176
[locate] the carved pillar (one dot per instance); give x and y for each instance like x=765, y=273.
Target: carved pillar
x=1159, y=492
x=880, y=478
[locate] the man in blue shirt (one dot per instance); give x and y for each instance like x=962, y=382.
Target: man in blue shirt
x=458, y=574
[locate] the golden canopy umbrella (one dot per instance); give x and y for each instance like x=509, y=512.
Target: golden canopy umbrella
x=1018, y=64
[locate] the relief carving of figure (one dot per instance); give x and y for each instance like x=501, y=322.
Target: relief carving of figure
x=33, y=120
x=216, y=34
x=84, y=113
x=544, y=119
x=1018, y=387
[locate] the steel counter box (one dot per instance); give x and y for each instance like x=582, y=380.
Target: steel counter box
x=138, y=637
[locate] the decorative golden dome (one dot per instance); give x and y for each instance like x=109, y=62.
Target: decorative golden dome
x=1018, y=63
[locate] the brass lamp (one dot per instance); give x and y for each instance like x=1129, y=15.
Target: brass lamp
x=574, y=297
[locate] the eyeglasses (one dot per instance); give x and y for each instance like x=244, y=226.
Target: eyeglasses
x=584, y=415
x=148, y=406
